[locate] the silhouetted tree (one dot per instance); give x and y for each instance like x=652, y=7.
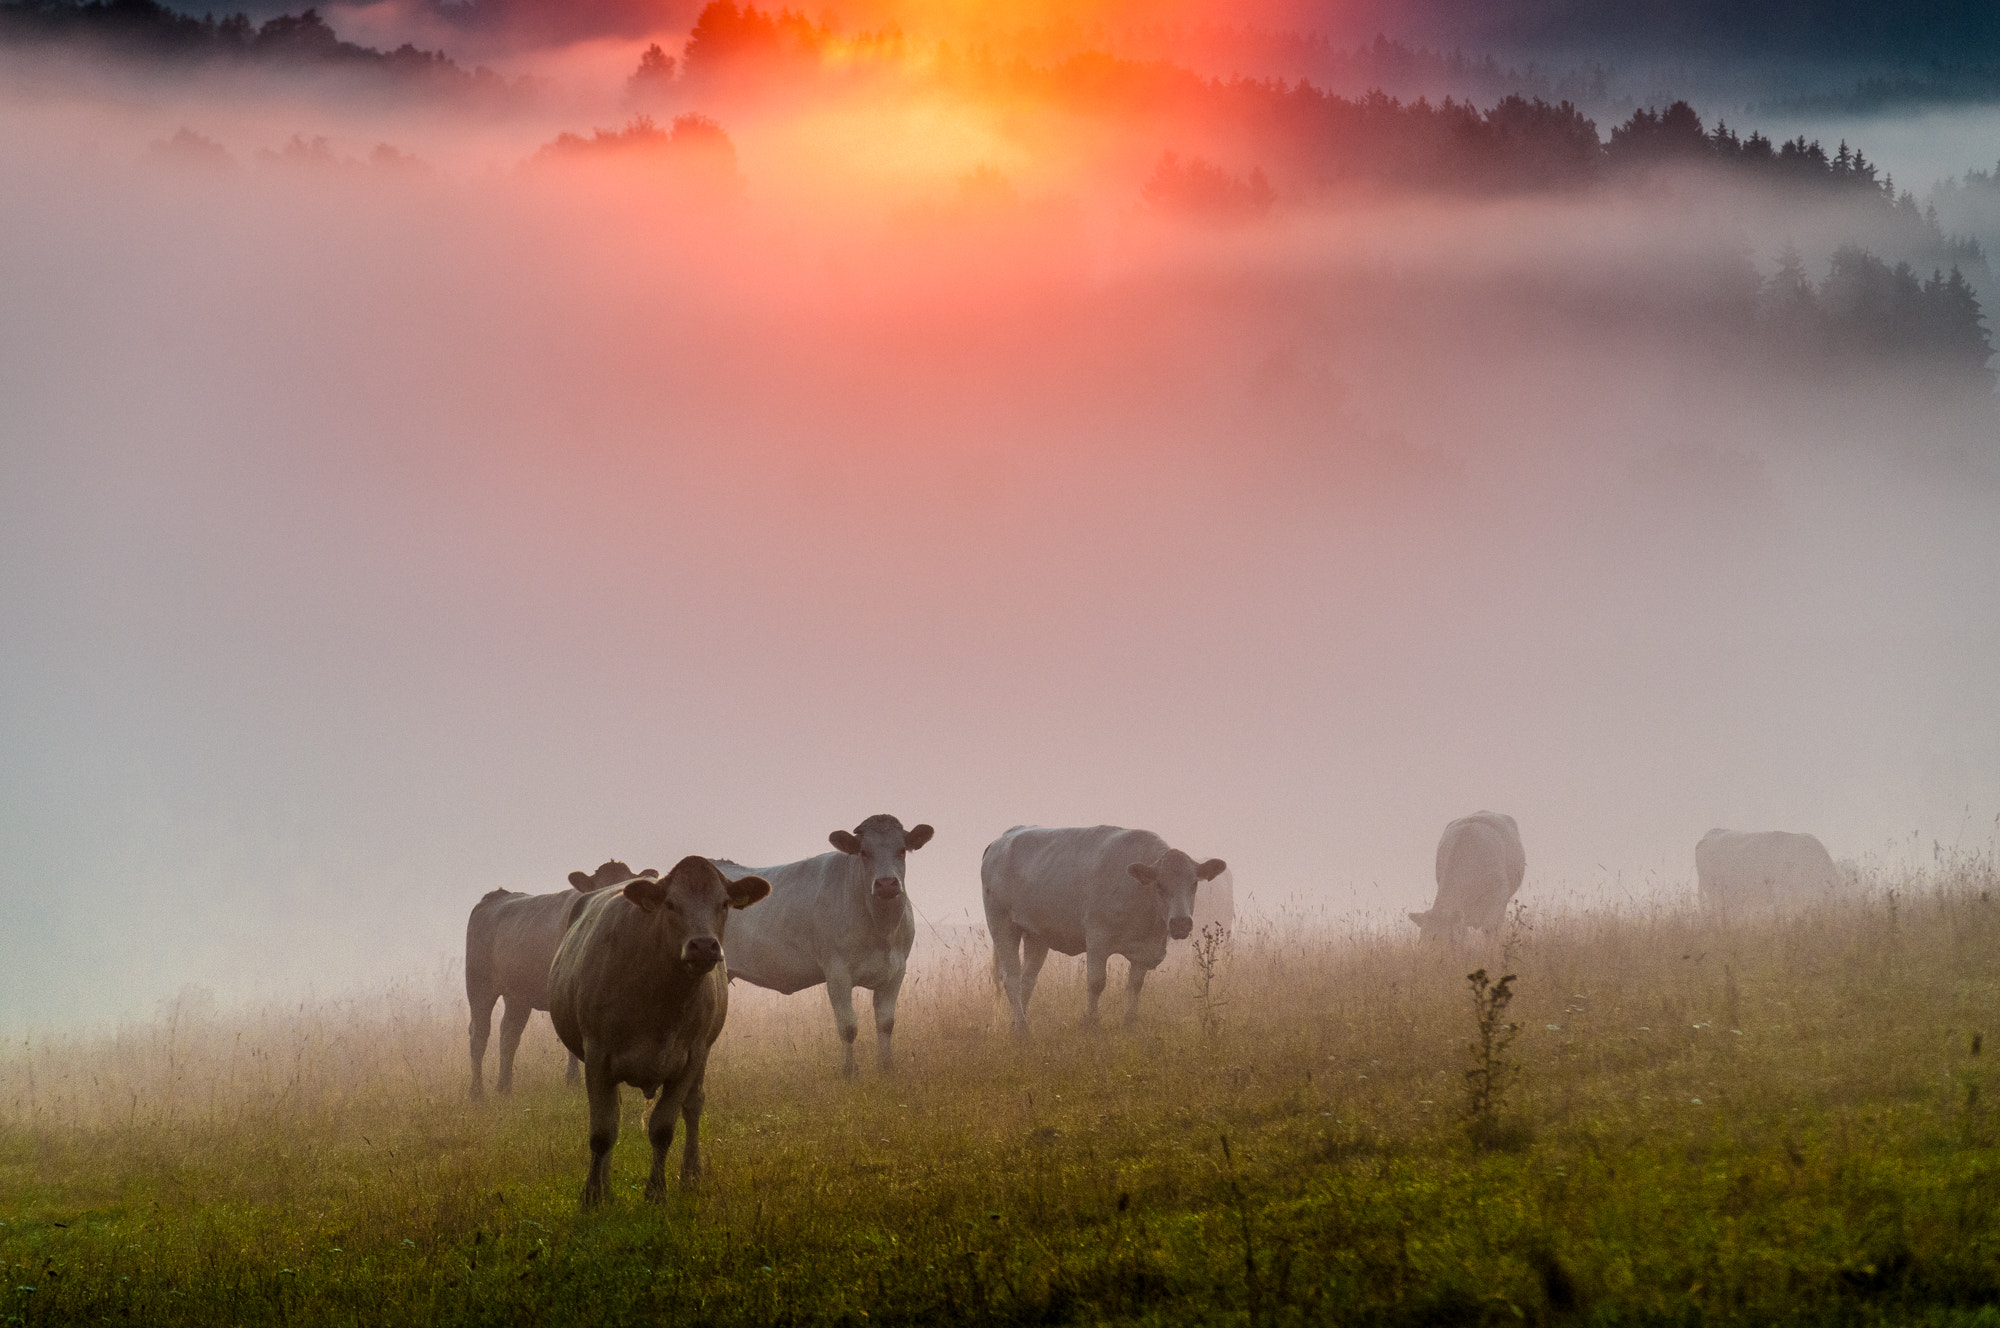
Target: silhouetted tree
x=1204, y=192
x=1673, y=134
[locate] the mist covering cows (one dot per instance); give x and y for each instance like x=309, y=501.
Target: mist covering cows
x=1741, y=873
x=1095, y=891
x=842, y=918
x=639, y=994
x=510, y=941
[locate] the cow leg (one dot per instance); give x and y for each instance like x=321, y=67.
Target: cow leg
x=603, y=1092
x=885, y=1023
x=677, y=1100
x=840, y=993
x=1135, y=978
x=691, y=1113
x=570, y=1074
x=481, y=1030
x=1093, y=981
x=1034, y=954
x=512, y=1021
x=1007, y=966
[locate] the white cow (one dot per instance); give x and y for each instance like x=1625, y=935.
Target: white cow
x=1762, y=871
x=1095, y=891
x=842, y=918
x=1480, y=864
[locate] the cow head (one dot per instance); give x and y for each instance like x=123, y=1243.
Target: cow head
x=691, y=905
x=613, y=872
x=1175, y=876
x=1437, y=923
x=881, y=843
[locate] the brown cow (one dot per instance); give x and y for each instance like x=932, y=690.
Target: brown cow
x=639, y=991
x=510, y=941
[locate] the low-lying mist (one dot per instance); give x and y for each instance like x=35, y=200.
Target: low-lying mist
x=376, y=530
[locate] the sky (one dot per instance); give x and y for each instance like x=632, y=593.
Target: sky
x=371, y=538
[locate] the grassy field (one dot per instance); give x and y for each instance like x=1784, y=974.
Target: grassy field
x=1779, y=1123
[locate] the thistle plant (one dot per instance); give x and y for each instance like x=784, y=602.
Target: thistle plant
x=1492, y=1073
x=1207, y=955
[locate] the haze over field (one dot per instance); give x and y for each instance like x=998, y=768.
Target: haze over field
x=381, y=527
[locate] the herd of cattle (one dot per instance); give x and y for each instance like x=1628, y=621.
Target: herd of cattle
x=632, y=970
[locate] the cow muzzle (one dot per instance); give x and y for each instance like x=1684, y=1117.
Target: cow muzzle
x=702, y=953
x=1179, y=928
x=887, y=887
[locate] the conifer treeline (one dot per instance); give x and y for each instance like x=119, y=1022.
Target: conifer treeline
x=148, y=30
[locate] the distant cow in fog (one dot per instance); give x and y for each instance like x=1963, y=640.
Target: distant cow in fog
x=842, y=918
x=1215, y=904
x=510, y=940
x=1096, y=891
x=638, y=992
x=1479, y=867
x=1762, y=871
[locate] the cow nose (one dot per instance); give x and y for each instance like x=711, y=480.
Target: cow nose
x=703, y=952
x=1179, y=928
x=887, y=887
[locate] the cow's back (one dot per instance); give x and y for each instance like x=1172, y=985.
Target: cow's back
x=582, y=961
x=1050, y=880
x=512, y=939
x=782, y=943
x=1480, y=866
x=1761, y=871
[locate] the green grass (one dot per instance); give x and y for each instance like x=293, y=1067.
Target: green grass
x=1779, y=1123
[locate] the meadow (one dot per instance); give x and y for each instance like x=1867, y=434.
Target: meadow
x=1768, y=1122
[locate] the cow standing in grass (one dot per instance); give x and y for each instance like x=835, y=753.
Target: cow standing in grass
x=1480, y=864
x=638, y=993
x=510, y=940
x=842, y=918
x=1097, y=891
x=1744, y=872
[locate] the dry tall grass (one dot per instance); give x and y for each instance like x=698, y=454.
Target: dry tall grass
x=1782, y=1120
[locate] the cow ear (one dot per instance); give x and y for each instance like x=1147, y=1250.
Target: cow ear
x=917, y=836
x=844, y=841
x=747, y=890
x=646, y=892
x=1211, y=869
x=1141, y=872
x=1420, y=918
x=581, y=882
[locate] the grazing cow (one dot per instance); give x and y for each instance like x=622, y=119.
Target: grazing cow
x=638, y=992
x=842, y=918
x=1479, y=867
x=510, y=940
x=1097, y=891
x=1762, y=871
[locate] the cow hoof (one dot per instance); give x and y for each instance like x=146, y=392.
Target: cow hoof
x=591, y=1200
x=656, y=1191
